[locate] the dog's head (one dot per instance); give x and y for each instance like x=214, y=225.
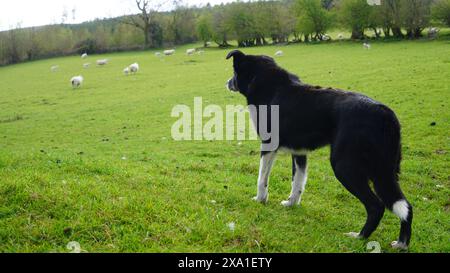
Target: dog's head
x=250, y=70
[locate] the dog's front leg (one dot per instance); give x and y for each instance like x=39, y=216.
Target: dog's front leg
x=267, y=160
x=299, y=177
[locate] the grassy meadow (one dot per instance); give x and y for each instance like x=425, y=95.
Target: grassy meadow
x=98, y=165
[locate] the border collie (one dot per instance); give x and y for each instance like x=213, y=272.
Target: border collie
x=364, y=136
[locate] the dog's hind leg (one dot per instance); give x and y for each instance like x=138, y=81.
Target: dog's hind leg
x=354, y=179
x=299, y=177
x=390, y=193
x=267, y=160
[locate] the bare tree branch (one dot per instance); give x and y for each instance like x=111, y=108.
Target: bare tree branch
x=143, y=20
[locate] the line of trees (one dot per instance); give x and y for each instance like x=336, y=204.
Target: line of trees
x=248, y=23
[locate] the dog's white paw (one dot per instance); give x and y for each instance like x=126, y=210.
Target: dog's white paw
x=356, y=235
x=287, y=204
x=260, y=200
x=399, y=245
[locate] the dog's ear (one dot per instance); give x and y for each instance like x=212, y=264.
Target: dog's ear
x=236, y=54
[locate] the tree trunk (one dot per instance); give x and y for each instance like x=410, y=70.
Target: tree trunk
x=357, y=34
x=306, y=38
x=417, y=33
x=146, y=37
x=387, y=32
x=397, y=32
x=377, y=33
x=264, y=41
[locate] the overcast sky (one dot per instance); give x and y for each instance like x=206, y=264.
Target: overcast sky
x=42, y=12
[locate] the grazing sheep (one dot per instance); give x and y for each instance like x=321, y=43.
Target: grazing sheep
x=279, y=53
x=126, y=71
x=190, y=51
x=102, y=62
x=134, y=68
x=169, y=52
x=341, y=36
x=76, y=81
x=84, y=56
x=326, y=37
x=367, y=45
x=158, y=54
x=433, y=32
x=54, y=68
x=86, y=65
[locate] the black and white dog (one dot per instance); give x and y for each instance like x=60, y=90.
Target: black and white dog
x=364, y=136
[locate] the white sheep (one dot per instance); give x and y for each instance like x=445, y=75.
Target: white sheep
x=367, y=45
x=158, y=54
x=134, y=68
x=102, y=62
x=190, y=51
x=84, y=56
x=279, y=53
x=54, y=68
x=433, y=32
x=76, y=81
x=126, y=71
x=86, y=65
x=169, y=52
x=326, y=37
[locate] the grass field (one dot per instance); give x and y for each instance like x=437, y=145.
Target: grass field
x=98, y=165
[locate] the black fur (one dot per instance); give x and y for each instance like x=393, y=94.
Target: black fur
x=364, y=134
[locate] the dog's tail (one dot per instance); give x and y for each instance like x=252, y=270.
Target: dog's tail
x=386, y=176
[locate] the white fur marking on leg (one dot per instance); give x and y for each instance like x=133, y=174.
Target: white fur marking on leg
x=356, y=235
x=263, y=179
x=399, y=246
x=400, y=208
x=298, y=186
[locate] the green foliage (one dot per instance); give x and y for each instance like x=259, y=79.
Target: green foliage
x=416, y=16
x=441, y=11
x=250, y=23
x=205, y=28
x=313, y=18
x=355, y=15
x=242, y=23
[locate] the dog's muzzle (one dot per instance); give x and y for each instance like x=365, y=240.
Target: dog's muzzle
x=231, y=85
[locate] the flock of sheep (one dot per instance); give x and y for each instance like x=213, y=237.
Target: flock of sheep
x=77, y=81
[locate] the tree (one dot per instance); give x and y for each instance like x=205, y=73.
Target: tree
x=242, y=22
x=221, y=28
x=181, y=24
x=275, y=20
x=14, y=45
x=313, y=18
x=355, y=14
x=393, y=13
x=416, y=16
x=440, y=11
x=204, y=29
x=142, y=21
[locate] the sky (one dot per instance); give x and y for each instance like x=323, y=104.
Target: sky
x=42, y=12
